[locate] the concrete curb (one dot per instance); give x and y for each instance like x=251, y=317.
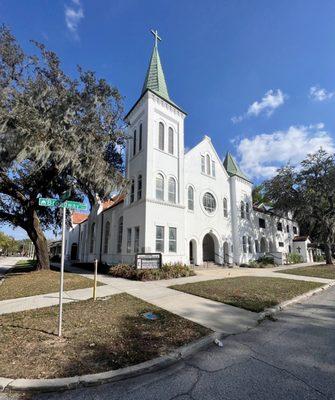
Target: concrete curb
x=269, y=312
x=59, y=384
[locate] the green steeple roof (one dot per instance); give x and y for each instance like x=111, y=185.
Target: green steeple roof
x=155, y=80
x=232, y=167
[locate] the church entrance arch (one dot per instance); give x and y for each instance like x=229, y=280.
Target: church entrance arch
x=208, y=248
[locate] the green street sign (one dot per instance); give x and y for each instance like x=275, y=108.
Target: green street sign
x=72, y=205
x=75, y=205
x=47, y=202
x=66, y=195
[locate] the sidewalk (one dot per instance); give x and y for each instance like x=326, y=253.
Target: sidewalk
x=7, y=263
x=214, y=315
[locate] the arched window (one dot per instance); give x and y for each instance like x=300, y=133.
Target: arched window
x=134, y=144
x=139, y=187
x=208, y=165
x=209, y=202
x=119, y=235
x=161, y=136
x=132, y=191
x=106, y=238
x=247, y=210
x=140, y=139
x=249, y=245
x=242, y=210
x=257, y=246
x=160, y=187
x=244, y=244
x=172, y=190
x=203, y=164
x=225, y=208
x=213, y=169
x=190, y=196
x=171, y=144
x=92, y=238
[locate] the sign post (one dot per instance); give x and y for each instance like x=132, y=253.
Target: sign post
x=61, y=281
x=72, y=205
x=95, y=279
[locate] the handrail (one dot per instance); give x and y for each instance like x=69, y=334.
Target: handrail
x=224, y=256
x=273, y=256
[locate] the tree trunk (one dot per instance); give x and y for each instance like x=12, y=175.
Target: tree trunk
x=328, y=254
x=40, y=242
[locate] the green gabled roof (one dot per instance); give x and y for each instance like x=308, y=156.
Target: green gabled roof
x=232, y=167
x=155, y=79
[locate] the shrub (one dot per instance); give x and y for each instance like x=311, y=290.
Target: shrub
x=266, y=260
x=123, y=271
x=244, y=265
x=319, y=258
x=294, y=258
x=253, y=264
x=168, y=271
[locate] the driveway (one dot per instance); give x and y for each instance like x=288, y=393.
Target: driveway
x=292, y=358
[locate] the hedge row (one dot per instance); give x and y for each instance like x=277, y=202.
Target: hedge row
x=168, y=271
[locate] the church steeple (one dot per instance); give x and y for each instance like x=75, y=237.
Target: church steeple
x=155, y=79
x=232, y=167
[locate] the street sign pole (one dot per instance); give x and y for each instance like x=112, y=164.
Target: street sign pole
x=61, y=285
x=64, y=203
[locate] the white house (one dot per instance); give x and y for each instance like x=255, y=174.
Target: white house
x=189, y=206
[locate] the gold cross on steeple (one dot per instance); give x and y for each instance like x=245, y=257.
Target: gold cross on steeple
x=155, y=33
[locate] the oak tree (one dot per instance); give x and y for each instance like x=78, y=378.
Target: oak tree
x=56, y=133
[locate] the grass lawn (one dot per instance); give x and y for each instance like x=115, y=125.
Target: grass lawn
x=98, y=336
x=318, y=271
x=24, y=281
x=249, y=292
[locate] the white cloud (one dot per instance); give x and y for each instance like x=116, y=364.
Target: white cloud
x=320, y=94
x=74, y=13
x=263, y=154
x=269, y=102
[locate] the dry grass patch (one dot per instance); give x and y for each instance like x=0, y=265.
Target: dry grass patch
x=249, y=292
x=24, y=281
x=317, y=271
x=98, y=336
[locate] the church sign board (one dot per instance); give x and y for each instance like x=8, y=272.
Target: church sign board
x=148, y=260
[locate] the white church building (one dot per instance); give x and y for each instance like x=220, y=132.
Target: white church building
x=187, y=205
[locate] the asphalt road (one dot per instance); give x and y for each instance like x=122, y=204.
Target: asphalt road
x=291, y=358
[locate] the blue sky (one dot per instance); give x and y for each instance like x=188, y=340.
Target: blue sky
x=258, y=77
